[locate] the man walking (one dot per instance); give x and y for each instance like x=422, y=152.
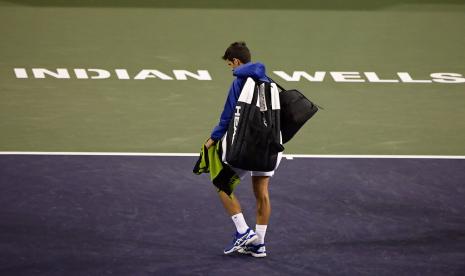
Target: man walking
x=246, y=240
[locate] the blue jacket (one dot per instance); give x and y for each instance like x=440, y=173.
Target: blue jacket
x=253, y=70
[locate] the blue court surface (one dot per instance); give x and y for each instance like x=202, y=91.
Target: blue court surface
x=150, y=215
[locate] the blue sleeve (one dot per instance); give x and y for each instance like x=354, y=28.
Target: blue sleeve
x=228, y=111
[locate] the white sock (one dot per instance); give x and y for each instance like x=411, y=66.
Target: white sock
x=240, y=223
x=261, y=232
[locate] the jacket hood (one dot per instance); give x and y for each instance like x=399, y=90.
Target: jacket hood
x=254, y=70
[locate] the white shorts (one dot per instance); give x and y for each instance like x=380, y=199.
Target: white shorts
x=242, y=173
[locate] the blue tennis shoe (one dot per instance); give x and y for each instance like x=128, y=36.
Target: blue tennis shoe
x=241, y=240
x=258, y=251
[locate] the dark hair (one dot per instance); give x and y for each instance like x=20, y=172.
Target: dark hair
x=237, y=50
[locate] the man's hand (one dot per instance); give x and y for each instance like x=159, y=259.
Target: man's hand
x=210, y=142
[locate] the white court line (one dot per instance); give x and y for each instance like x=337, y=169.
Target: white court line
x=287, y=156
x=96, y=153
x=292, y=156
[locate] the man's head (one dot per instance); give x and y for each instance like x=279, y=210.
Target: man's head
x=237, y=54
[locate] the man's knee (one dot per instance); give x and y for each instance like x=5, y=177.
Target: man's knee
x=262, y=196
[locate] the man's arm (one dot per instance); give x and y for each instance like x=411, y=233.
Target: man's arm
x=228, y=112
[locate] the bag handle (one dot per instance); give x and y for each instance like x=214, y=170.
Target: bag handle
x=283, y=89
x=277, y=84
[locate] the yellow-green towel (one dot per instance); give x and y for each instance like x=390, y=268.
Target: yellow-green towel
x=222, y=176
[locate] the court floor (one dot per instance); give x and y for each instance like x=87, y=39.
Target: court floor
x=137, y=215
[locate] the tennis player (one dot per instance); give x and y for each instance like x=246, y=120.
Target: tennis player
x=246, y=240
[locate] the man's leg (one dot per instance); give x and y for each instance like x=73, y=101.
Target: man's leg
x=244, y=234
x=260, y=188
x=231, y=205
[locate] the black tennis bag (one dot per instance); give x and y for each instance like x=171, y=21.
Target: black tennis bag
x=296, y=110
x=253, y=139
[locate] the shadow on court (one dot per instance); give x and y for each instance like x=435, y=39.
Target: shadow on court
x=97, y=215
x=238, y=4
